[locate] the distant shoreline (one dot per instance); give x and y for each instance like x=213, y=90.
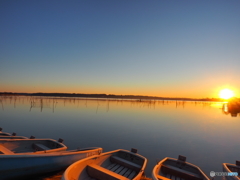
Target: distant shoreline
x=106, y=96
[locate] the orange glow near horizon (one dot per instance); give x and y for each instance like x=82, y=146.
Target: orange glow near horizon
x=120, y=91
x=181, y=92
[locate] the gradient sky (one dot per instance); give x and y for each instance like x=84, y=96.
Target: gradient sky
x=169, y=48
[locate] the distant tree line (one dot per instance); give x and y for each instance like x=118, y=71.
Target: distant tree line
x=106, y=96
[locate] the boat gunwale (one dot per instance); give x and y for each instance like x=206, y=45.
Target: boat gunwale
x=229, y=164
x=51, y=154
x=61, y=147
x=4, y=134
x=72, y=166
x=143, y=166
x=38, y=161
x=226, y=168
x=12, y=137
x=155, y=174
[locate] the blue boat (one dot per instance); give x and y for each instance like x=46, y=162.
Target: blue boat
x=25, y=157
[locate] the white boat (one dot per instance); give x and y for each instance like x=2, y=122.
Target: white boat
x=233, y=170
x=114, y=165
x=25, y=157
x=177, y=169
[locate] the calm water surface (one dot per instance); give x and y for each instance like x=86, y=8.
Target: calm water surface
x=201, y=131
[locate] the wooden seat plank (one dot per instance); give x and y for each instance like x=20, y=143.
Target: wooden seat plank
x=122, y=172
x=115, y=167
x=119, y=169
x=183, y=170
x=127, y=173
x=179, y=173
x=126, y=163
x=100, y=173
x=111, y=166
x=133, y=174
x=40, y=147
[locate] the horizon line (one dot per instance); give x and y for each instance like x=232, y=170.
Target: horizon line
x=100, y=95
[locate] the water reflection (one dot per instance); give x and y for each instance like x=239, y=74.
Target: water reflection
x=43, y=103
x=232, y=108
x=51, y=103
x=157, y=128
x=2, y=104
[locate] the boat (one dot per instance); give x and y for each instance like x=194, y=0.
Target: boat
x=5, y=134
x=233, y=170
x=177, y=169
x=114, y=165
x=27, y=157
x=13, y=137
x=29, y=146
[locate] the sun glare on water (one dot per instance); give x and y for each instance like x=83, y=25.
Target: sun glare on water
x=226, y=94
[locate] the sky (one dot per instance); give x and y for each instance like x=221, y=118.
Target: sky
x=167, y=48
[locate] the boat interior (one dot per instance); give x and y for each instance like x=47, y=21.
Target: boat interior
x=234, y=168
x=12, y=146
x=179, y=170
x=121, y=165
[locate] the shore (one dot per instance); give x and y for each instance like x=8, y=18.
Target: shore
x=108, y=96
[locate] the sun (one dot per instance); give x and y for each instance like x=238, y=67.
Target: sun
x=226, y=94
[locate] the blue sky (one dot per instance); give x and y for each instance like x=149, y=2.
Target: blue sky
x=159, y=48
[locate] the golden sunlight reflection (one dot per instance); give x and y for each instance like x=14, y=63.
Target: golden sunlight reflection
x=225, y=108
x=98, y=105
x=226, y=94
x=232, y=107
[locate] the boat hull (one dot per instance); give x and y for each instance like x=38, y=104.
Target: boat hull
x=126, y=165
x=13, y=137
x=4, y=134
x=170, y=168
x=13, y=166
x=29, y=146
x=226, y=168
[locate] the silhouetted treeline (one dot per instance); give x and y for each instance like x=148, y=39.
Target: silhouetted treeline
x=107, y=96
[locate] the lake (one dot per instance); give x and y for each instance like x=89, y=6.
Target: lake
x=204, y=132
